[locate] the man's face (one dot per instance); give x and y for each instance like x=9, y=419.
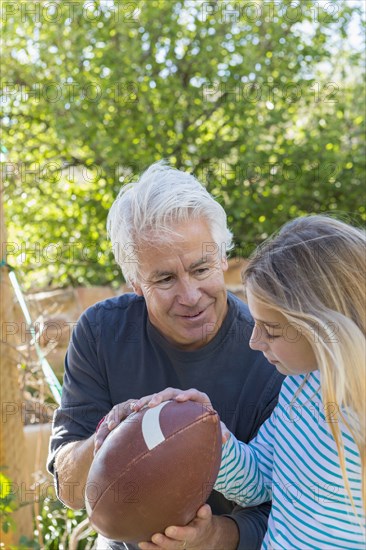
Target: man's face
x=183, y=286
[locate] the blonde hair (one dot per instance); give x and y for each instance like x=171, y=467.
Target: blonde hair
x=313, y=271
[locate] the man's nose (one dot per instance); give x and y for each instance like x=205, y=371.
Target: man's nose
x=257, y=340
x=189, y=293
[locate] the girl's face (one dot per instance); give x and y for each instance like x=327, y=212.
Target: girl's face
x=282, y=343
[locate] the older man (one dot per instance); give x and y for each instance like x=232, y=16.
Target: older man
x=179, y=328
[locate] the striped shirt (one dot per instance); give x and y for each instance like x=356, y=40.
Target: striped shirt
x=294, y=461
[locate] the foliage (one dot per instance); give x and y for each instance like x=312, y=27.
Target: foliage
x=263, y=101
x=55, y=525
x=8, y=504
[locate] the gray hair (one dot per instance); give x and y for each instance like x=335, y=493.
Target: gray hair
x=145, y=211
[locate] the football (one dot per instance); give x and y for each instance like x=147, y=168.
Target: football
x=155, y=469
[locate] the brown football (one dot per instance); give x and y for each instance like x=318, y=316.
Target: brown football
x=155, y=469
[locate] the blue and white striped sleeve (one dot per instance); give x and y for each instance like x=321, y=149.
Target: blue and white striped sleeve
x=245, y=475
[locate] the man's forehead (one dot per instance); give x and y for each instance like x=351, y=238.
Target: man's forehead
x=190, y=256
x=177, y=232
x=198, y=247
x=187, y=244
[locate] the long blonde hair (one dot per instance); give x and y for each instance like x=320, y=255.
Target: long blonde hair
x=313, y=271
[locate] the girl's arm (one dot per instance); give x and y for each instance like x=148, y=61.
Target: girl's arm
x=245, y=474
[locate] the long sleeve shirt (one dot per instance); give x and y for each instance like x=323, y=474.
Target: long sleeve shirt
x=294, y=460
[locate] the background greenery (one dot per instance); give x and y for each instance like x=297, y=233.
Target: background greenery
x=263, y=101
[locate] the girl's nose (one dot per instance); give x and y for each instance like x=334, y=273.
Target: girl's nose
x=257, y=340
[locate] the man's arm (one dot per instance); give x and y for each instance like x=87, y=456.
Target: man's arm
x=72, y=460
x=72, y=464
x=85, y=400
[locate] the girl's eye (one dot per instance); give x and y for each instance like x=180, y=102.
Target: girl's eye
x=271, y=336
x=262, y=331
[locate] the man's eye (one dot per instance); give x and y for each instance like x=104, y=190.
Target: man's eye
x=165, y=280
x=201, y=270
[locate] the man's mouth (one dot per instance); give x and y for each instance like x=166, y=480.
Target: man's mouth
x=192, y=315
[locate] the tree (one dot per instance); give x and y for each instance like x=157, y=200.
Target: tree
x=15, y=484
x=261, y=100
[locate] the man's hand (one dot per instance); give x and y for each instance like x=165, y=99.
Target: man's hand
x=180, y=396
x=204, y=532
x=111, y=421
x=123, y=410
x=173, y=393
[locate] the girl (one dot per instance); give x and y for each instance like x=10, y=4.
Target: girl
x=306, y=292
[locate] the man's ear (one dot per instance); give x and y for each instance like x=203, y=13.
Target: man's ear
x=224, y=264
x=137, y=289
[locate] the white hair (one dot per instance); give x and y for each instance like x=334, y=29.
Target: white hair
x=146, y=211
